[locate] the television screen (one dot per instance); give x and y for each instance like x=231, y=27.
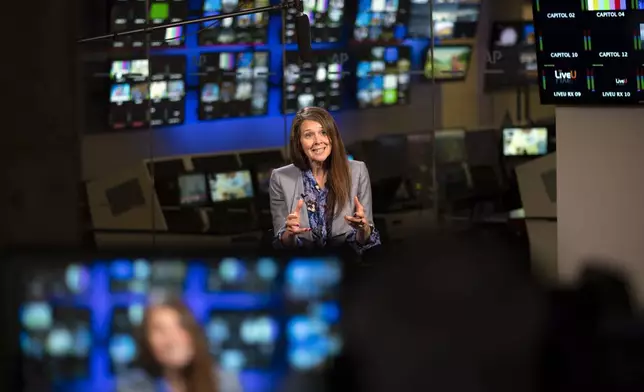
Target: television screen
x=193, y=189
x=312, y=295
x=246, y=29
x=233, y=274
x=512, y=60
x=589, y=52
x=326, y=18
x=318, y=83
x=383, y=76
x=237, y=185
x=122, y=345
x=263, y=177
x=58, y=282
x=233, y=84
x=452, y=19
x=381, y=20
x=146, y=93
x=450, y=146
x=58, y=337
x=450, y=62
x=140, y=276
x=132, y=14
x=525, y=141
x=242, y=340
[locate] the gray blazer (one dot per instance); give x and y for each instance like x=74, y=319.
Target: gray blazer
x=286, y=188
x=137, y=380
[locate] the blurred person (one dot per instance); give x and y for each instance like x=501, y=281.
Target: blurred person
x=463, y=317
x=174, y=356
x=322, y=199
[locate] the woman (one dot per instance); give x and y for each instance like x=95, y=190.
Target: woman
x=174, y=356
x=321, y=199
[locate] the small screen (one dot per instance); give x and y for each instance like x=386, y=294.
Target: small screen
x=237, y=185
x=140, y=276
x=264, y=180
x=242, y=340
x=325, y=16
x=245, y=29
x=383, y=76
x=312, y=295
x=143, y=93
x=59, y=282
x=233, y=85
x=317, y=83
x=450, y=146
x=58, y=337
x=233, y=274
x=525, y=141
x=449, y=62
x=512, y=59
x=453, y=19
x=122, y=346
x=381, y=20
x=192, y=189
x=131, y=14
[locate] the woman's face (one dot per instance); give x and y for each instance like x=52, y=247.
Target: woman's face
x=170, y=342
x=315, y=141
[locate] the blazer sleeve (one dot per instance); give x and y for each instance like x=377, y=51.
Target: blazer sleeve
x=364, y=192
x=279, y=209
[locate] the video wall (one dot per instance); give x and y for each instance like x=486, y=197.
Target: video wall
x=590, y=51
x=262, y=316
x=233, y=68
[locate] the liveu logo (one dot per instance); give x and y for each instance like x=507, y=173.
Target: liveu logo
x=565, y=76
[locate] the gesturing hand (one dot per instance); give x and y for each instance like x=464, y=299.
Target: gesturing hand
x=293, y=221
x=358, y=220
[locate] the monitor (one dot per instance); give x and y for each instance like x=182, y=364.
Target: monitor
x=452, y=19
x=122, y=345
x=146, y=93
x=59, y=282
x=380, y=21
x=450, y=146
x=263, y=178
x=316, y=83
x=525, y=141
x=193, y=189
x=245, y=29
x=237, y=275
x=143, y=277
x=233, y=84
x=236, y=185
x=383, y=76
x=589, y=52
x=242, y=340
x=449, y=62
x=512, y=59
x=58, y=337
x=326, y=19
x=312, y=289
x=132, y=14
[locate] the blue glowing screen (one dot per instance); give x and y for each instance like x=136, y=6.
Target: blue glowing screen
x=261, y=317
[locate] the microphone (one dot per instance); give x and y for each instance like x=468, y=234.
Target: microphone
x=303, y=35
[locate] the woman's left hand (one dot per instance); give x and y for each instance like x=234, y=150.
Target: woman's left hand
x=358, y=221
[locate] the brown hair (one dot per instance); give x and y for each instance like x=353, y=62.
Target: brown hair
x=198, y=375
x=337, y=164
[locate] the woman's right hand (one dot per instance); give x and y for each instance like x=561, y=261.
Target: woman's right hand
x=293, y=224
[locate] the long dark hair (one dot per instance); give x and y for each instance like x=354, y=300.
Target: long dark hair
x=337, y=164
x=198, y=375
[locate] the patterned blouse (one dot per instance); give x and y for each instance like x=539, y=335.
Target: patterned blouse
x=315, y=202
